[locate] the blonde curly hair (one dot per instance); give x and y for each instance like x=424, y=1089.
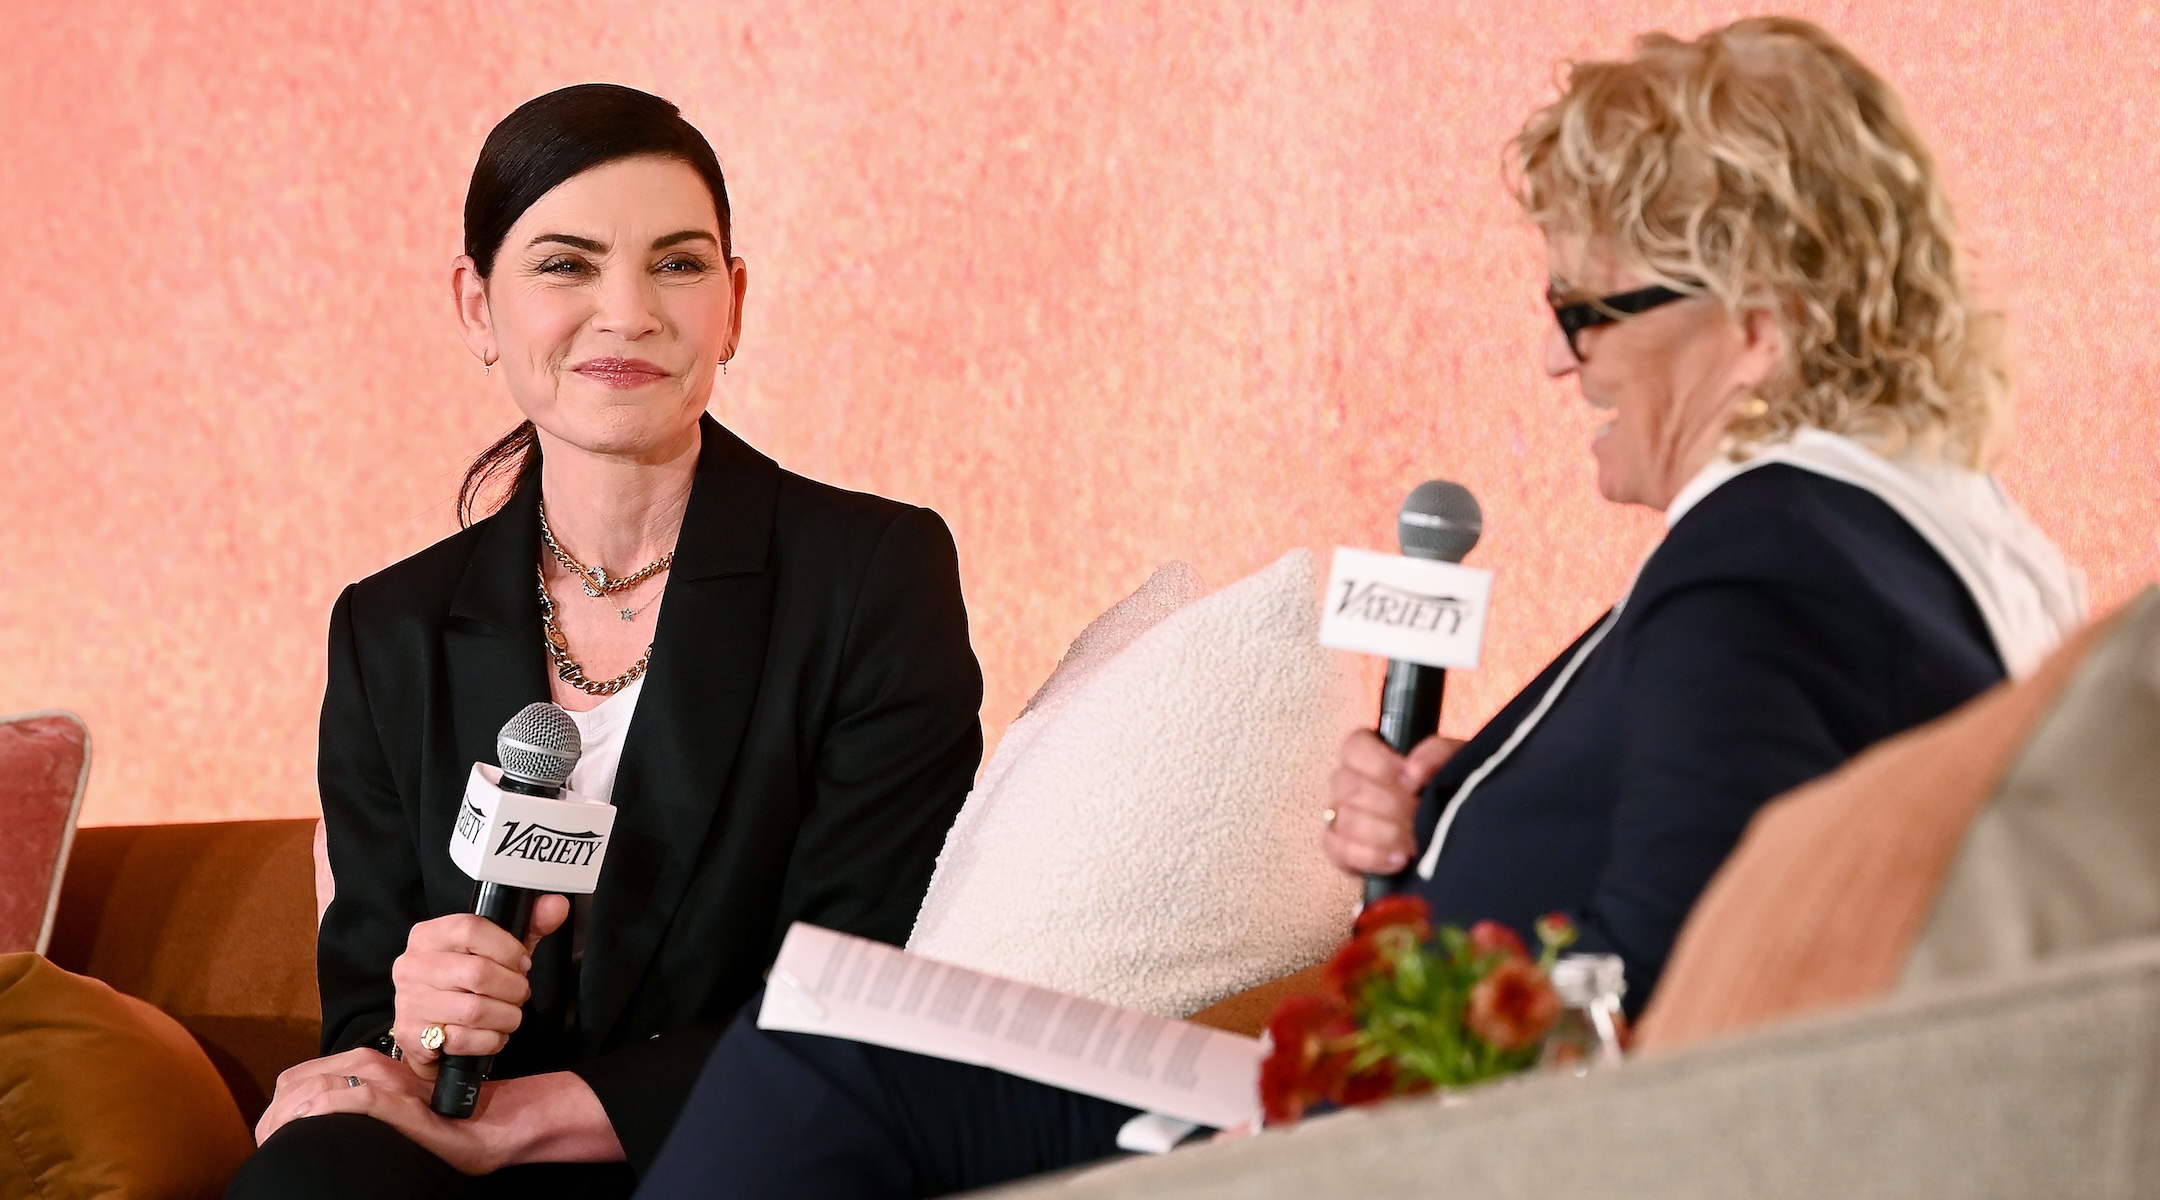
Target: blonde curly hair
x=1764, y=164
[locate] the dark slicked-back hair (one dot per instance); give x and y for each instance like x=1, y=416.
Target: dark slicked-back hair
x=546, y=141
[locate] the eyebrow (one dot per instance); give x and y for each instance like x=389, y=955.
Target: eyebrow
x=685, y=235
x=592, y=247
x=571, y=240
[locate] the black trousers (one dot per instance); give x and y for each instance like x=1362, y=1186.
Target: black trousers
x=799, y=1116
x=345, y=1156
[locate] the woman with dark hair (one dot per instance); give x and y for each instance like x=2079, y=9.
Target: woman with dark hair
x=771, y=677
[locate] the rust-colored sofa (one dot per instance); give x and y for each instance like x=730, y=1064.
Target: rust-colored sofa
x=212, y=923
x=215, y=925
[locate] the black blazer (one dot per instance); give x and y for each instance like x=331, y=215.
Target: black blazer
x=806, y=734
x=1786, y=623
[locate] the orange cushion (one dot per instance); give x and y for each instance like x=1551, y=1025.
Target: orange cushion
x=103, y=1095
x=214, y=924
x=1821, y=903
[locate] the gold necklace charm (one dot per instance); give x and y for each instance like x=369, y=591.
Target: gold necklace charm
x=558, y=648
x=595, y=580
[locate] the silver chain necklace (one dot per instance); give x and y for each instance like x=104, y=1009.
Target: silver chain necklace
x=595, y=580
x=566, y=667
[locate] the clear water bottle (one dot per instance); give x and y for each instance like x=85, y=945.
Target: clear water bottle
x=1587, y=1035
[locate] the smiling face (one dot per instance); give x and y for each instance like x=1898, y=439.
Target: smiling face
x=610, y=306
x=1671, y=377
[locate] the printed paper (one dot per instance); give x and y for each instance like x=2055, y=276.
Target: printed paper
x=843, y=986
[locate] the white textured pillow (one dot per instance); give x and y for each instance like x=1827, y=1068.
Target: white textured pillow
x=1148, y=831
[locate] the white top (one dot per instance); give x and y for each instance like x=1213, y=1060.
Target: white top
x=601, y=730
x=2028, y=596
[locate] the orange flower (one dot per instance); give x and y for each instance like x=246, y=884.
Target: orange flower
x=1491, y=937
x=1390, y=912
x=1514, y=1007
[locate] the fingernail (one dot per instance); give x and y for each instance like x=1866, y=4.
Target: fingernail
x=528, y=963
x=301, y=1111
x=1397, y=859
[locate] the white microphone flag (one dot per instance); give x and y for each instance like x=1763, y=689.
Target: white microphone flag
x=1415, y=609
x=529, y=841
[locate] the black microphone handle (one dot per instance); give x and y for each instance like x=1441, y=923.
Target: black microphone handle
x=459, y=1076
x=1409, y=713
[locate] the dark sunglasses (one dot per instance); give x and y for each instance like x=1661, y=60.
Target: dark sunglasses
x=1605, y=310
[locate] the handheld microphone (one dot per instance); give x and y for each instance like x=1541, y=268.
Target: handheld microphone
x=538, y=749
x=1439, y=521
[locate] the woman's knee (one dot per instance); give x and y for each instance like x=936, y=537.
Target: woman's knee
x=342, y=1155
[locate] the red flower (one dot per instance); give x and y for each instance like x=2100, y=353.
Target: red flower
x=1389, y=912
x=1358, y=960
x=1307, y=1060
x=1514, y=1007
x=1376, y=1082
x=1491, y=937
x=1556, y=930
x=1283, y=1094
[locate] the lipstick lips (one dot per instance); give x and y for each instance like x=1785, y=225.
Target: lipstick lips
x=621, y=372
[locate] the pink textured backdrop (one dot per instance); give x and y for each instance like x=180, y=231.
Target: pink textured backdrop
x=1105, y=284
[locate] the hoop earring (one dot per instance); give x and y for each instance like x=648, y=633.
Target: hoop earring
x=487, y=365
x=723, y=366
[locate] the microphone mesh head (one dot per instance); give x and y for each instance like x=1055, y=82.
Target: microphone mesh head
x=1439, y=520
x=540, y=745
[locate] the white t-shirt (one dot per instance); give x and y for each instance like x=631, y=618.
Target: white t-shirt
x=601, y=730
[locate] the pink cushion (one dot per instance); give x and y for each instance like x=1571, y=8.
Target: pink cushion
x=44, y=761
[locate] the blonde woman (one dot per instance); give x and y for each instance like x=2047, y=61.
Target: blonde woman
x=1753, y=270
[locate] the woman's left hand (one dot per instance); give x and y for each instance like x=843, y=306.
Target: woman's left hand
x=1372, y=824
x=387, y=1091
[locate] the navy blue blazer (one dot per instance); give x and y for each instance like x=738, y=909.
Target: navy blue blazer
x=1786, y=623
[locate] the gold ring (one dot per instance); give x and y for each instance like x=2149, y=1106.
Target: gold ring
x=431, y=1038
x=1327, y=818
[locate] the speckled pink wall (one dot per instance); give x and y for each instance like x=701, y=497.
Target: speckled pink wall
x=1106, y=284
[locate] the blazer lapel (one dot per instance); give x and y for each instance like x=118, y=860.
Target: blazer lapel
x=491, y=646
x=707, y=661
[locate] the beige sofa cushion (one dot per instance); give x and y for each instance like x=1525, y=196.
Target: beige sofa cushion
x=2066, y=853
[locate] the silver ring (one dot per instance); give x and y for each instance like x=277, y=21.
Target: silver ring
x=354, y=1081
x=1327, y=818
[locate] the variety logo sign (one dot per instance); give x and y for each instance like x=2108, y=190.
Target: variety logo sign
x=529, y=841
x=1413, y=609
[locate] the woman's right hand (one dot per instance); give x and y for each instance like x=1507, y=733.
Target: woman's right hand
x=1374, y=799
x=466, y=974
